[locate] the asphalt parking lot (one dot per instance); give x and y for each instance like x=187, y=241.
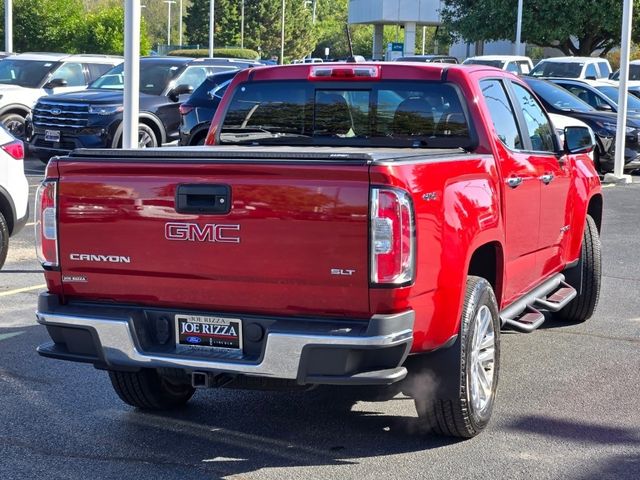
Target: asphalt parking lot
x=567, y=404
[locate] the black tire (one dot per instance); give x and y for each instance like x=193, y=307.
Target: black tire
x=146, y=137
x=148, y=390
x=584, y=277
x=14, y=123
x=143, y=130
x=442, y=383
x=4, y=240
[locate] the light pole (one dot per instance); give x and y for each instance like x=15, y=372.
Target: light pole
x=8, y=25
x=518, y=46
x=131, y=74
x=212, y=21
x=242, y=24
x=618, y=168
x=180, y=24
x=169, y=2
x=282, y=36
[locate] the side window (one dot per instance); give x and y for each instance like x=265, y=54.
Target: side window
x=96, y=70
x=605, y=71
x=591, y=72
x=540, y=130
x=582, y=93
x=72, y=73
x=524, y=67
x=501, y=113
x=512, y=67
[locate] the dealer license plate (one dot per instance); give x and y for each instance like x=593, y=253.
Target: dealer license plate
x=52, y=135
x=209, y=332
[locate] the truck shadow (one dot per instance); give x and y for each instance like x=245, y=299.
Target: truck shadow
x=74, y=416
x=232, y=432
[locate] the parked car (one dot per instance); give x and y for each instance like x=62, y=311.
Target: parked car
x=274, y=259
x=93, y=118
x=602, y=96
x=604, y=124
x=517, y=64
x=26, y=77
x=14, y=190
x=196, y=113
x=589, y=68
x=633, y=83
x=427, y=59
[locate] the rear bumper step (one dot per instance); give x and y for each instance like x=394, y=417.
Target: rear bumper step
x=373, y=356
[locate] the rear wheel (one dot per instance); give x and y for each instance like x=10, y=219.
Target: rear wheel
x=14, y=123
x=584, y=277
x=148, y=390
x=4, y=239
x=454, y=388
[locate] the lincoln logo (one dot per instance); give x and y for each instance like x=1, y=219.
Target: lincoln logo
x=86, y=257
x=210, y=232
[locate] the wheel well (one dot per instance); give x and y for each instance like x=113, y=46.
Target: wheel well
x=200, y=134
x=7, y=212
x=487, y=262
x=20, y=111
x=594, y=210
x=156, y=129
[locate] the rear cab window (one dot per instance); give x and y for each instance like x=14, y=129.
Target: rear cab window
x=388, y=113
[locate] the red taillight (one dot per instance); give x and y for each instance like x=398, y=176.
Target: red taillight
x=364, y=72
x=185, y=109
x=46, y=224
x=15, y=149
x=392, y=237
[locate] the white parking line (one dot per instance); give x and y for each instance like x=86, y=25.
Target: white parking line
x=22, y=290
x=5, y=336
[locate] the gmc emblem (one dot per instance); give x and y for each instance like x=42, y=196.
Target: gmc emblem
x=210, y=232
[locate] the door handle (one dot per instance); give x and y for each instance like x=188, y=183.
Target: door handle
x=547, y=178
x=202, y=198
x=513, y=182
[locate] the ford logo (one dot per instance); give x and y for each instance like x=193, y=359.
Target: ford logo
x=56, y=111
x=194, y=339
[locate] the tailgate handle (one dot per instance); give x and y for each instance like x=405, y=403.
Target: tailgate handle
x=211, y=199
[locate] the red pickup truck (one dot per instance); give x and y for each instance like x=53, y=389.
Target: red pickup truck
x=348, y=224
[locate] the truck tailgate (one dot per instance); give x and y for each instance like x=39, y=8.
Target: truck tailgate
x=294, y=242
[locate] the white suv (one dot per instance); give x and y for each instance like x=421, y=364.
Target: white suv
x=585, y=68
x=28, y=76
x=517, y=64
x=14, y=190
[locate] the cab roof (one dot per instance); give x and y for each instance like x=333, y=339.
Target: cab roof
x=60, y=57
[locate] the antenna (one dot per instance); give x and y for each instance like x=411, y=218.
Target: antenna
x=351, y=57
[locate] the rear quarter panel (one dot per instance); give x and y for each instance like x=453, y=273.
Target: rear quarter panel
x=457, y=210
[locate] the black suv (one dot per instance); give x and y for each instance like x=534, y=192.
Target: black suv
x=604, y=124
x=197, y=112
x=92, y=118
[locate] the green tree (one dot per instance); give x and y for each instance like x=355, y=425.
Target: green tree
x=577, y=27
x=45, y=25
x=227, y=23
x=263, y=26
x=104, y=32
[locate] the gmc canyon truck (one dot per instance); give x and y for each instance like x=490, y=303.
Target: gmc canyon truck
x=348, y=224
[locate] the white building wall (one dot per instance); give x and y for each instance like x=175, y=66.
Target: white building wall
x=422, y=12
